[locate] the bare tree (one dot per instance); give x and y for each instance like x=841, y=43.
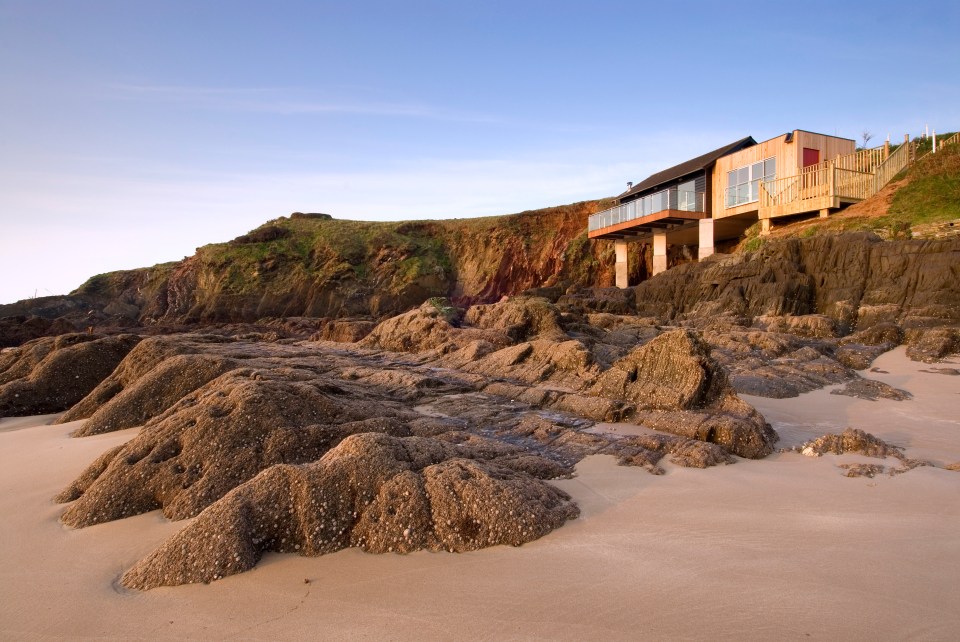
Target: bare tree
x=865, y=137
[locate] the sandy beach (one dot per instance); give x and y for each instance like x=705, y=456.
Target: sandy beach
x=786, y=547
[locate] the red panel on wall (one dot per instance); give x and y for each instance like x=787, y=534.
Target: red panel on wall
x=810, y=156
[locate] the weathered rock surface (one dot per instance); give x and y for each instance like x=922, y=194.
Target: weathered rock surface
x=520, y=318
x=51, y=374
x=776, y=365
x=871, y=390
x=851, y=440
x=678, y=387
x=17, y=330
x=673, y=371
x=344, y=330
x=218, y=437
x=932, y=344
x=380, y=493
x=856, y=280
x=141, y=360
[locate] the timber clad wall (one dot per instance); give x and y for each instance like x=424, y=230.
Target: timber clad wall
x=789, y=160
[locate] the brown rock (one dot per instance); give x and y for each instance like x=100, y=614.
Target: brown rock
x=344, y=331
x=218, y=437
x=930, y=345
x=679, y=388
x=851, y=440
x=673, y=371
x=156, y=391
x=519, y=317
x=871, y=390
x=51, y=374
x=425, y=328
x=807, y=325
x=376, y=492
x=138, y=362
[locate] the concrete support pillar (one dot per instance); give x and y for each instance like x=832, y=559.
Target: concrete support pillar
x=659, y=252
x=764, y=226
x=824, y=213
x=705, y=245
x=620, y=247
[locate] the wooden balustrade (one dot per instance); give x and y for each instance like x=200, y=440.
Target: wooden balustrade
x=898, y=159
x=848, y=183
x=864, y=160
x=953, y=140
x=855, y=176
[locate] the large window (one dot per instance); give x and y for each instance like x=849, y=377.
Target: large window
x=743, y=183
x=687, y=196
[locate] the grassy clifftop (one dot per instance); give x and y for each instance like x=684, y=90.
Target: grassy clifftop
x=306, y=265
x=316, y=266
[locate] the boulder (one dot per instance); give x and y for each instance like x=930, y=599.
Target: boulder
x=673, y=371
x=424, y=328
x=519, y=317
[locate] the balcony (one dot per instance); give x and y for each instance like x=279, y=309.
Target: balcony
x=669, y=199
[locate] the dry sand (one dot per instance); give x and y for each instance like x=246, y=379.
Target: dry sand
x=783, y=548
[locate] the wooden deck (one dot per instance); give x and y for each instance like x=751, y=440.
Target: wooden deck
x=646, y=225
x=833, y=184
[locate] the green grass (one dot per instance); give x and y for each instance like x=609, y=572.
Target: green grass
x=320, y=250
x=933, y=194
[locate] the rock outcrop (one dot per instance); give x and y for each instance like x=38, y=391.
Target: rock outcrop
x=218, y=437
x=325, y=268
x=52, y=374
x=377, y=492
x=871, y=390
x=851, y=440
x=316, y=267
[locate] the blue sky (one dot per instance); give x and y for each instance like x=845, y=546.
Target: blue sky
x=135, y=131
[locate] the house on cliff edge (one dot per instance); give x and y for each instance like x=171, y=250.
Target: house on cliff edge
x=718, y=195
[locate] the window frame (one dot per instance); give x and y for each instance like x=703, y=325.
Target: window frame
x=746, y=189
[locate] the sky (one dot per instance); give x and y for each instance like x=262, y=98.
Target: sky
x=134, y=131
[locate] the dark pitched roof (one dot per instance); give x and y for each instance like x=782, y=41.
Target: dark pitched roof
x=688, y=167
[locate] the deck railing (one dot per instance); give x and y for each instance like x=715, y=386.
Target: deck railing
x=808, y=184
x=863, y=160
x=953, y=140
x=856, y=176
x=848, y=183
x=898, y=159
x=668, y=199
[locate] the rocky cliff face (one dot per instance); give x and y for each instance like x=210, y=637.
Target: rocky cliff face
x=856, y=280
x=323, y=268
x=320, y=267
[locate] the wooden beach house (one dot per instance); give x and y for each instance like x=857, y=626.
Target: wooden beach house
x=720, y=194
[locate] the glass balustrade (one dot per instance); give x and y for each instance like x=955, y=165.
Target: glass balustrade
x=675, y=198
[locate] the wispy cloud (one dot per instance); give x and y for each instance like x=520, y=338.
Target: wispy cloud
x=286, y=101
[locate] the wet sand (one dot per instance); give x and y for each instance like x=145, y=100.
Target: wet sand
x=783, y=548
